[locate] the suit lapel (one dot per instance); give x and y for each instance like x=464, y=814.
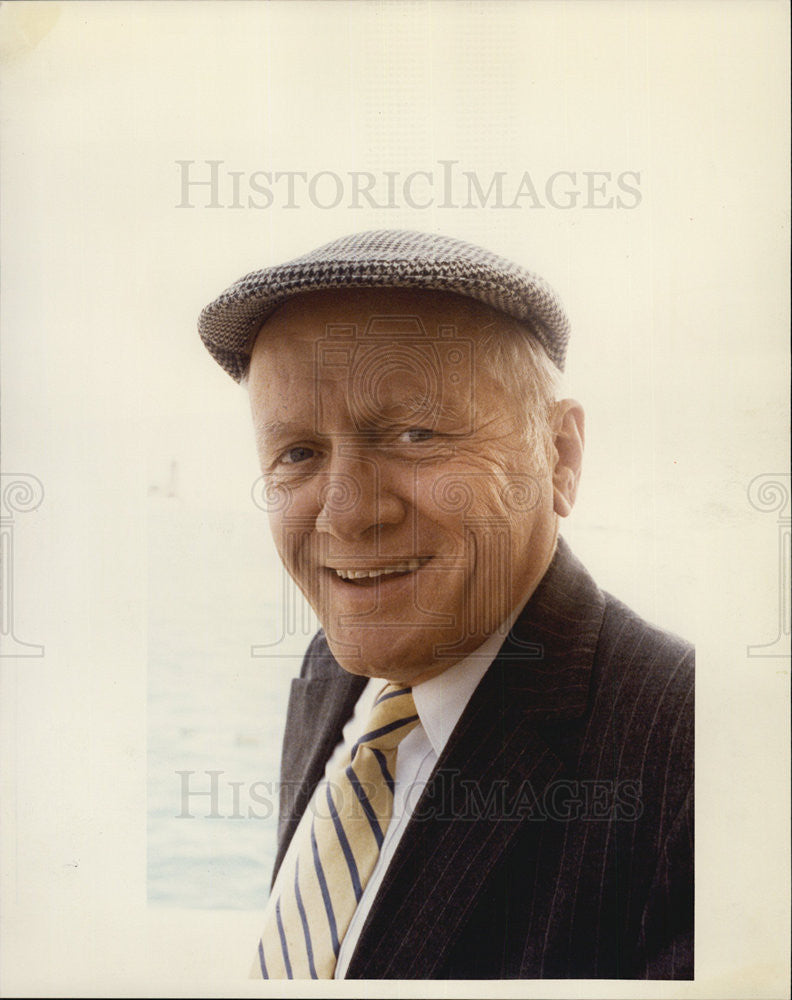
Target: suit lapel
x=318, y=710
x=495, y=764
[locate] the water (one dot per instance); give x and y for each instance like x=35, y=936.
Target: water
x=215, y=590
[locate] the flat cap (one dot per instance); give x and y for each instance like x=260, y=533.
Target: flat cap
x=382, y=259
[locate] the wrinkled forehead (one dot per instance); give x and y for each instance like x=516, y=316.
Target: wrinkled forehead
x=386, y=350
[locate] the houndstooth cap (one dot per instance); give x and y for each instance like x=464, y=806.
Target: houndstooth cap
x=381, y=259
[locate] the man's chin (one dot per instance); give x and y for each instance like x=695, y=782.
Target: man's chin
x=399, y=663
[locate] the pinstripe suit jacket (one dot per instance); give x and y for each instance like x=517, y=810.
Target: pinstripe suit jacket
x=555, y=838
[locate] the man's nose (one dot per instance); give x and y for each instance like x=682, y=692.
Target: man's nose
x=354, y=499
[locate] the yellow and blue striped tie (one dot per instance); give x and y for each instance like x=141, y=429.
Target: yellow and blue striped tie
x=329, y=868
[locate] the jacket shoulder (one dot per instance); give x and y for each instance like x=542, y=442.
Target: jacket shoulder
x=645, y=700
x=638, y=646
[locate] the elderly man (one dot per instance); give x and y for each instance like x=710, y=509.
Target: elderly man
x=487, y=761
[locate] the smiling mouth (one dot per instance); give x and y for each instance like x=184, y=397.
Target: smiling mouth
x=359, y=576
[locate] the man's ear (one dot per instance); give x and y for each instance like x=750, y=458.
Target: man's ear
x=569, y=425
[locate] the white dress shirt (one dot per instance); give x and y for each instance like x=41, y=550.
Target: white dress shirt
x=440, y=702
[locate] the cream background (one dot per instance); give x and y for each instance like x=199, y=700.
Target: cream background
x=679, y=353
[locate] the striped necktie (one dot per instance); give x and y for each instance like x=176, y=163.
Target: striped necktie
x=332, y=862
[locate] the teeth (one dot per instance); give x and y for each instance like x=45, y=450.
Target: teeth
x=360, y=574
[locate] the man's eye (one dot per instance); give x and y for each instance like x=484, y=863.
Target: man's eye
x=416, y=434
x=297, y=454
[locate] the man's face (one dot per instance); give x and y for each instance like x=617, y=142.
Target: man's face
x=405, y=502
